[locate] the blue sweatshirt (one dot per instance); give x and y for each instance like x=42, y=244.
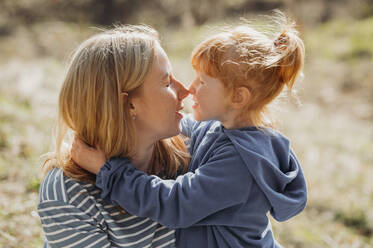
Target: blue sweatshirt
x=235, y=178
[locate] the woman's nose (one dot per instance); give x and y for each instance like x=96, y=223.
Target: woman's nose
x=192, y=88
x=181, y=91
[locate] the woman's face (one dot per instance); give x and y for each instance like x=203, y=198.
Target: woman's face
x=159, y=100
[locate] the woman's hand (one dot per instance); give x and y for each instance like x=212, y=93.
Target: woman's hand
x=89, y=158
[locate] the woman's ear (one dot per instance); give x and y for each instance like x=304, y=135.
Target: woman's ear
x=132, y=104
x=240, y=98
x=125, y=98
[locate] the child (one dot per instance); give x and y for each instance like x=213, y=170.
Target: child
x=240, y=168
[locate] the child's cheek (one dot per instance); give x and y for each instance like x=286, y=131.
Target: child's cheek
x=199, y=94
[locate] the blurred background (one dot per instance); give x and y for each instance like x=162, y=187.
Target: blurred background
x=331, y=131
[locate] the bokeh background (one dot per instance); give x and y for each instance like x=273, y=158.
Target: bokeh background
x=331, y=131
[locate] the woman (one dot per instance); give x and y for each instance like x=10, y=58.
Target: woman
x=118, y=94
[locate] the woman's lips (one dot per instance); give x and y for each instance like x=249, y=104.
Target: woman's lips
x=195, y=103
x=178, y=114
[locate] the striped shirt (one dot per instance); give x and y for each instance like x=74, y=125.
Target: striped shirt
x=73, y=214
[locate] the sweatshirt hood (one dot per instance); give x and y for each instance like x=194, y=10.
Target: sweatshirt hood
x=274, y=167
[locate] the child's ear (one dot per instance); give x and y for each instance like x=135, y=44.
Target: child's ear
x=240, y=97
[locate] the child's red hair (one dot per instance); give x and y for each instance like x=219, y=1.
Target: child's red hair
x=246, y=57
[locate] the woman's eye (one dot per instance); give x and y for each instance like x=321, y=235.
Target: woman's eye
x=169, y=84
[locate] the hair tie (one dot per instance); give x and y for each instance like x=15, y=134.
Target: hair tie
x=281, y=41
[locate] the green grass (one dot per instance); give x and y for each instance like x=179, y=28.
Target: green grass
x=342, y=40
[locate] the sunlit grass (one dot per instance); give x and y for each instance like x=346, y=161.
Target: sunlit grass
x=343, y=40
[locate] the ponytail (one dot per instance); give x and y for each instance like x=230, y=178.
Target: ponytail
x=290, y=49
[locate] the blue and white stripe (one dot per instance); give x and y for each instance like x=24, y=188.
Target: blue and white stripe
x=73, y=214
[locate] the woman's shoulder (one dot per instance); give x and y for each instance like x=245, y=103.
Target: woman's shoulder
x=52, y=187
x=58, y=187
x=60, y=191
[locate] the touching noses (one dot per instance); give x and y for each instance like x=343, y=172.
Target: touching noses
x=180, y=90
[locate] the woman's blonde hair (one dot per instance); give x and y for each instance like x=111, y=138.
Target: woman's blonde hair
x=90, y=105
x=262, y=62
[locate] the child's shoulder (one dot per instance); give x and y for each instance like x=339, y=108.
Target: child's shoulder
x=209, y=126
x=202, y=128
x=259, y=140
x=190, y=127
x=208, y=139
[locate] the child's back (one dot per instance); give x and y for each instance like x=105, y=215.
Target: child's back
x=257, y=172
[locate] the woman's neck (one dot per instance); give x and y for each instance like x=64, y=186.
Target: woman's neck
x=142, y=154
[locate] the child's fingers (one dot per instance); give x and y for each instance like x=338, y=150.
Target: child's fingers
x=78, y=147
x=81, y=145
x=101, y=151
x=75, y=147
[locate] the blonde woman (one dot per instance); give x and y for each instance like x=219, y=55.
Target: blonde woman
x=118, y=94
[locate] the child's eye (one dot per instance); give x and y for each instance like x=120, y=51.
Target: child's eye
x=169, y=84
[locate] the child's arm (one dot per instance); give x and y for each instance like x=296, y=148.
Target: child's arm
x=220, y=183
x=92, y=159
x=188, y=124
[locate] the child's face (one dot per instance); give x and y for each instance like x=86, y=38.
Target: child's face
x=209, y=96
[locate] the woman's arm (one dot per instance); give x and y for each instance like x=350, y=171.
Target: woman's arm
x=68, y=215
x=220, y=183
x=65, y=225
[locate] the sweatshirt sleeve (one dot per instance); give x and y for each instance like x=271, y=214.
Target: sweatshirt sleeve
x=188, y=124
x=220, y=183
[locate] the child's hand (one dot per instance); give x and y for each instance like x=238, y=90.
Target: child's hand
x=89, y=158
